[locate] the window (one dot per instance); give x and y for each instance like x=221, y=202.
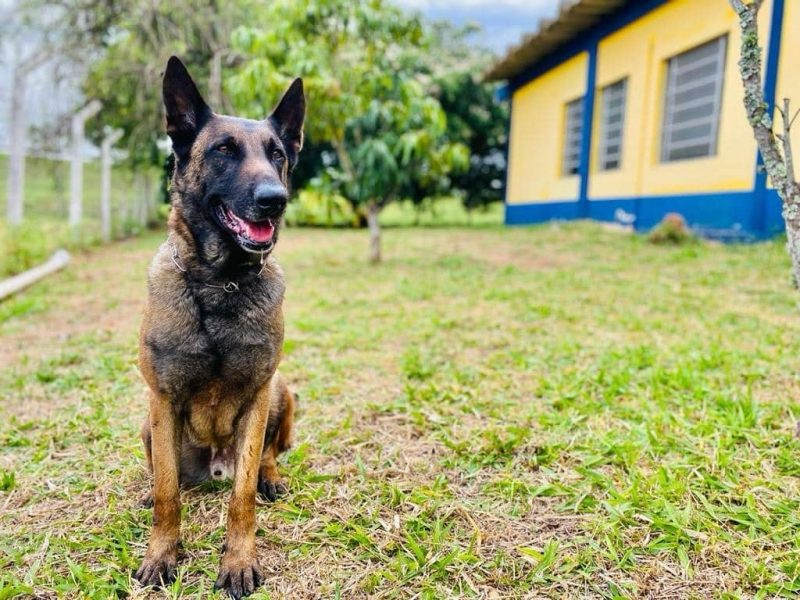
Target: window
x=692, y=104
x=573, y=130
x=612, y=125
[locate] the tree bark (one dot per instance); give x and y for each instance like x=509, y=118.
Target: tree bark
x=758, y=114
x=215, y=81
x=373, y=210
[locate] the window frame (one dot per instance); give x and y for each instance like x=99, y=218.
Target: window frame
x=604, y=157
x=673, y=89
x=572, y=137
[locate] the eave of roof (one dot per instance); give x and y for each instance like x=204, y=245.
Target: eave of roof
x=574, y=18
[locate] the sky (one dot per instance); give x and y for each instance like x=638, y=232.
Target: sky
x=503, y=21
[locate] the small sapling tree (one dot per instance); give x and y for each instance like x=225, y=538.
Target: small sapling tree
x=775, y=148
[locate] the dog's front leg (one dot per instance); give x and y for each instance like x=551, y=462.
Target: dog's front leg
x=158, y=566
x=239, y=573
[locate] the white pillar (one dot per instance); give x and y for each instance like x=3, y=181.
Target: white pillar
x=76, y=167
x=18, y=137
x=105, y=182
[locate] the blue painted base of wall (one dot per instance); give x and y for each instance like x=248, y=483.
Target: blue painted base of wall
x=732, y=215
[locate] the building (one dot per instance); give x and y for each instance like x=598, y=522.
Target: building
x=633, y=109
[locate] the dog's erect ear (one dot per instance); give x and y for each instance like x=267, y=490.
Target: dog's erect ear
x=287, y=119
x=187, y=112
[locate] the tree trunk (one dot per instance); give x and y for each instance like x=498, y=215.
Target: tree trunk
x=373, y=210
x=779, y=166
x=215, y=81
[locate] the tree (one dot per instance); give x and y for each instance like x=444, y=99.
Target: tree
x=127, y=76
x=474, y=116
x=477, y=119
x=363, y=68
x=778, y=158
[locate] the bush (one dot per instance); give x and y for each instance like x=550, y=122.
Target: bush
x=671, y=230
x=312, y=208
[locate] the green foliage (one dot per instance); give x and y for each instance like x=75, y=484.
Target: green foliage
x=362, y=66
x=474, y=116
x=479, y=121
x=127, y=76
x=315, y=209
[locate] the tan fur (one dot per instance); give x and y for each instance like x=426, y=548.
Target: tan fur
x=210, y=356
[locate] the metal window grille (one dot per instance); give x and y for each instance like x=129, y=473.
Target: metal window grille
x=573, y=132
x=693, y=102
x=612, y=125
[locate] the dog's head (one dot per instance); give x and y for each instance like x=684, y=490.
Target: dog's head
x=232, y=174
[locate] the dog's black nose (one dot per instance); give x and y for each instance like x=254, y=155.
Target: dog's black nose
x=271, y=195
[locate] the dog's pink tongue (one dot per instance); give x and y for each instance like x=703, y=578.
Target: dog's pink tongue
x=259, y=232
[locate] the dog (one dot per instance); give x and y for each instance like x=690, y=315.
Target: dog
x=212, y=332
x=201, y=463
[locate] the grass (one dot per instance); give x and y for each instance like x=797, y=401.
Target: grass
x=555, y=412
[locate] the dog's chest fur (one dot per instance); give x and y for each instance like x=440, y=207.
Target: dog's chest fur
x=209, y=350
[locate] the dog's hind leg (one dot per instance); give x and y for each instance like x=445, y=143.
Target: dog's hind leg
x=270, y=484
x=146, y=500
x=160, y=561
x=147, y=441
x=278, y=439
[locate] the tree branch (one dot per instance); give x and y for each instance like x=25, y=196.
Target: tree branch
x=754, y=103
x=787, y=140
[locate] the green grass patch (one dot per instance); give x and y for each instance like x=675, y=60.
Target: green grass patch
x=561, y=411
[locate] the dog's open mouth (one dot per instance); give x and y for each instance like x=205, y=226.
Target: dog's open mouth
x=256, y=236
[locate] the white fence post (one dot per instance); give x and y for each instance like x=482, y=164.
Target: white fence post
x=105, y=182
x=76, y=167
x=18, y=136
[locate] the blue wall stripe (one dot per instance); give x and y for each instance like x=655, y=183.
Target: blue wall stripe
x=722, y=215
x=760, y=207
x=586, y=137
x=507, y=150
x=627, y=14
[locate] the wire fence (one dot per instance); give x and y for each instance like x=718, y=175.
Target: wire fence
x=135, y=200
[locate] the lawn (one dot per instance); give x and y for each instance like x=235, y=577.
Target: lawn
x=552, y=412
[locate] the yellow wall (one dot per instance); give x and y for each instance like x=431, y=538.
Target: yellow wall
x=788, y=79
x=537, y=134
x=640, y=52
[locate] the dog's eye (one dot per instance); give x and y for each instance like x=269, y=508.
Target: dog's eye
x=277, y=155
x=226, y=149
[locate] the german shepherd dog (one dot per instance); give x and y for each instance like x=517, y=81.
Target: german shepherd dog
x=212, y=332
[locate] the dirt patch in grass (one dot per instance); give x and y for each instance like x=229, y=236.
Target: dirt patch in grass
x=81, y=301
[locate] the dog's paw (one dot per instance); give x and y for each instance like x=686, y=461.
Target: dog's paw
x=157, y=571
x=239, y=578
x=271, y=489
